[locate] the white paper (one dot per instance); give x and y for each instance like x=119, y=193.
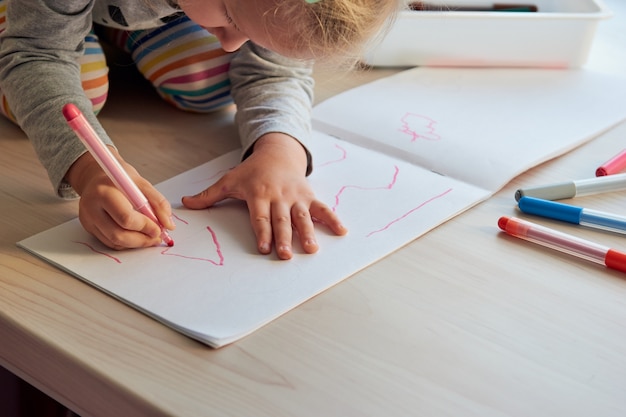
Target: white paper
x=213, y=285
x=484, y=126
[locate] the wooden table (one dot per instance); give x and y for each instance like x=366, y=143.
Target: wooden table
x=461, y=322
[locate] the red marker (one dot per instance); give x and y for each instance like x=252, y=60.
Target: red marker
x=613, y=165
x=563, y=242
x=111, y=165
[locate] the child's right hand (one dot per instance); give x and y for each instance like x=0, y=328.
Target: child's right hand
x=106, y=213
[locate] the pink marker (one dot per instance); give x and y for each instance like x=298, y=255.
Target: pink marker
x=613, y=165
x=111, y=166
x=564, y=242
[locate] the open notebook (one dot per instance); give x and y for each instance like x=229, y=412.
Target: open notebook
x=394, y=158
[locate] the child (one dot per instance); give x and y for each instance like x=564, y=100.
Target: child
x=198, y=54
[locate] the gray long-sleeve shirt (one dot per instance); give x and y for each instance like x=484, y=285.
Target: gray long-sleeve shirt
x=39, y=74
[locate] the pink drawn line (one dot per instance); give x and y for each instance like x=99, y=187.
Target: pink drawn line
x=412, y=122
x=217, y=246
x=386, y=187
x=99, y=252
x=178, y=218
x=410, y=211
x=341, y=158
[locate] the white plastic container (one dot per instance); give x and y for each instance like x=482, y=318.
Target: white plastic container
x=558, y=35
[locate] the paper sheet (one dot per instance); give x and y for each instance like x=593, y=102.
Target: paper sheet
x=484, y=126
x=214, y=286
x=480, y=126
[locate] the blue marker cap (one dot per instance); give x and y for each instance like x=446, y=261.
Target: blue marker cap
x=550, y=209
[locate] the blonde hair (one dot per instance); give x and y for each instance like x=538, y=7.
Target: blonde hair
x=332, y=29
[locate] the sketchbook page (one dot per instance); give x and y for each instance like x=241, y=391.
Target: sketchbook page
x=484, y=126
x=213, y=285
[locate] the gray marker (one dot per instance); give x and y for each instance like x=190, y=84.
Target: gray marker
x=577, y=188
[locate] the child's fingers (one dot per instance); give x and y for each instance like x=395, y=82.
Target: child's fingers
x=282, y=229
x=260, y=218
x=206, y=198
x=303, y=224
x=128, y=227
x=117, y=238
x=322, y=213
x=160, y=205
x=115, y=223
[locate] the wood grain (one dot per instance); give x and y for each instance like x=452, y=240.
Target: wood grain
x=463, y=321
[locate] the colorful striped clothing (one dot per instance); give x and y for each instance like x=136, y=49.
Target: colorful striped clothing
x=94, y=72
x=183, y=61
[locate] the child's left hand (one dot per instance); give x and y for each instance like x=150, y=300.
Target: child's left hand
x=273, y=184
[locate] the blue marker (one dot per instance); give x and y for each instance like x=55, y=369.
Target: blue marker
x=573, y=214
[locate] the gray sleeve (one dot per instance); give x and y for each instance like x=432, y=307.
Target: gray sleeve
x=272, y=94
x=39, y=74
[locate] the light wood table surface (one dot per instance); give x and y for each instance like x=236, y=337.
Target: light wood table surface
x=461, y=322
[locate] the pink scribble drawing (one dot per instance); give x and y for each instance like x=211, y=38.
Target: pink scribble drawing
x=384, y=187
x=99, y=252
x=218, y=250
x=430, y=200
x=418, y=126
x=334, y=161
x=179, y=219
x=168, y=250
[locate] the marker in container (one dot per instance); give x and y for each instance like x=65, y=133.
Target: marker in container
x=613, y=165
x=576, y=188
x=111, y=166
x=563, y=242
x=497, y=7
x=573, y=214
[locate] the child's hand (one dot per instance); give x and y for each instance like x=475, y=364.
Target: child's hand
x=273, y=184
x=107, y=214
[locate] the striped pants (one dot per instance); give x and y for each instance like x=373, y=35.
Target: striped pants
x=183, y=61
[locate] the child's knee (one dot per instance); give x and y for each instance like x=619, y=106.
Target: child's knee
x=94, y=72
x=3, y=15
x=199, y=93
x=185, y=63
x=193, y=105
